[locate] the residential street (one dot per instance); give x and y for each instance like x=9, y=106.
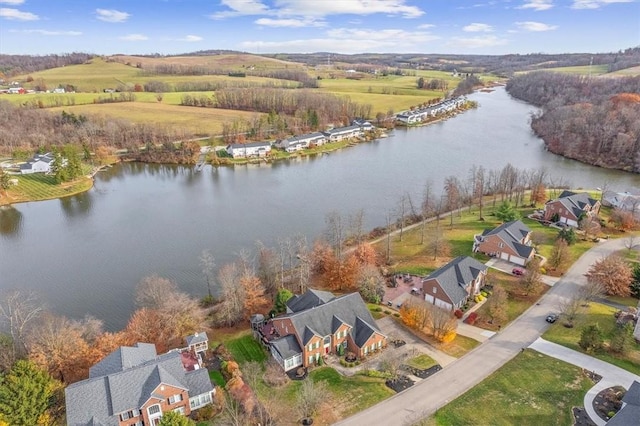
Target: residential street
x=425, y=397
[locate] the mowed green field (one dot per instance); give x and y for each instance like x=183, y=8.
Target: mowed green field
x=52, y=100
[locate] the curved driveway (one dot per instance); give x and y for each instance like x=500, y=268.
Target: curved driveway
x=424, y=398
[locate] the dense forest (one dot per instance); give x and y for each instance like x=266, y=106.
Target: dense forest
x=593, y=120
x=25, y=131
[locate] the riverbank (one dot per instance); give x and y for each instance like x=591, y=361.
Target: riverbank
x=41, y=187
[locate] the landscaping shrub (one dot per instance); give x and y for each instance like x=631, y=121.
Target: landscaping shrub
x=472, y=318
x=351, y=364
x=483, y=293
x=357, y=362
x=387, y=312
x=343, y=363
x=396, y=315
x=449, y=337
x=458, y=313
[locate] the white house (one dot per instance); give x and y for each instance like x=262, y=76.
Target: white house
x=251, y=149
x=340, y=133
x=38, y=164
x=297, y=143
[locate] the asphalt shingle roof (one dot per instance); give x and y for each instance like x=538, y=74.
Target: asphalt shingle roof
x=197, y=338
x=576, y=201
x=101, y=398
x=321, y=320
x=630, y=413
x=456, y=275
x=287, y=346
x=310, y=299
x=512, y=234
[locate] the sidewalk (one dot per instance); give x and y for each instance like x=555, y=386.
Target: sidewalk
x=611, y=375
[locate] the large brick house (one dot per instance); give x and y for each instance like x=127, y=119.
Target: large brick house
x=509, y=241
x=134, y=386
x=452, y=285
x=318, y=323
x=569, y=207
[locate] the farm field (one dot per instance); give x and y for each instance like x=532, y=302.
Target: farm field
x=200, y=121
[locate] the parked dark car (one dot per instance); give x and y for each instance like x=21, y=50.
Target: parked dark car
x=517, y=271
x=551, y=318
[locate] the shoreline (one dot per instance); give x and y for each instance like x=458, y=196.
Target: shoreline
x=82, y=186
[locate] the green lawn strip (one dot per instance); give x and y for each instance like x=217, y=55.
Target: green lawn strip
x=245, y=349
x=626, y=301
x=602, y=315
x=532, y=389
x=422, y=362
x=38, y=186
x=459, y=347
x=352, y=394
x=376, y=310
x=216, y=377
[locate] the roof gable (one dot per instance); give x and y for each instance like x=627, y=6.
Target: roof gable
x=321, y=320
x=456, y=275
x=310, y=299
x=512, y=234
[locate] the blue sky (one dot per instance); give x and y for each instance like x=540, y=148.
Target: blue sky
x=341, y=26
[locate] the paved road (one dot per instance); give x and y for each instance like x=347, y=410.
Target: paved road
x=424, y=398
x=611, y=374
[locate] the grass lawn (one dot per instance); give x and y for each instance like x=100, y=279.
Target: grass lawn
x=216, y=377
x=517, y=300
x=38, y=186
x=602, y=315
x=245, y=349
x=422, y=362
x=626, y=301
x=345, y=396
x=532, y=389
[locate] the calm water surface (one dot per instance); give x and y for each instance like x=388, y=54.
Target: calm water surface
x=84, y=254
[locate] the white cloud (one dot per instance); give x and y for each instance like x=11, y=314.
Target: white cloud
x=112, y=15
x=478, y=28
x=291, y=23
x=476, y=42
x=595, y=4
x=425, y=26
x=190, y=38
x=357, y=7
x=306, y=8
x=13, y=2
x=48, y=32
x=134, y=37
x=537, y=5
x=348, y=40
x=535, y=26
x=17, y=15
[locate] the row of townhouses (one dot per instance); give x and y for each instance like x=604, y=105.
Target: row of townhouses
x=358, y=128
x=421, y=114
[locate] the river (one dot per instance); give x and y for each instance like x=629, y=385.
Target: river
x=85, y=254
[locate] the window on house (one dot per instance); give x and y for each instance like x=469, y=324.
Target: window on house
x=310, y=346
x=311, y=359
x=500, y=245
x=379, y=343
x=435, y=290
x=175, y=398
x=317, y=345
x=154, y=409
x=179, y=410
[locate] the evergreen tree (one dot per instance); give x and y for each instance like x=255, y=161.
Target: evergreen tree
x=506, y=212
x=568, y=234
x=25, y=394
x=591, y=338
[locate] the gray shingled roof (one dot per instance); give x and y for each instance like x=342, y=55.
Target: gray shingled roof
x=287, y=346
x=575, y=201
x=339, y=130
x=310, y=299
x=512, y=233
x=250, y=144
x=322, y=319
x=124, y=357
x=456, y=275
x=630, y=413
x=100, y=398
x=197, y=338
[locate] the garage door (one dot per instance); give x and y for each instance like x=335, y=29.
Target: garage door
x=517, y=260
x=504, y=256
x=428, y=298
x=444, y=305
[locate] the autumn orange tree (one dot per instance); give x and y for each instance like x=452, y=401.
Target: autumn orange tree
x=613, y=273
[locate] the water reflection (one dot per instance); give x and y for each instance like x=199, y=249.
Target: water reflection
x=10, y=221
x=76, y=205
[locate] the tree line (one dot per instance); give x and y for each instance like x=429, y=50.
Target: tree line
x=25, y=131
x=11, y=65
x=593, y=120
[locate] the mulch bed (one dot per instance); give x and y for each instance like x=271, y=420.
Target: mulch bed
x=581, y=418
x=299, y=373
x=400, y=383
x=608, y=400
x=423, y=374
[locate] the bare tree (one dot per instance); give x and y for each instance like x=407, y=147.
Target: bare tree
x=497, y=305
x=390, y=364
x=479, y=188
x=310, y=397
x=252, y=373
x=304, y=264
x=356, y=226
x=402, y=212
x=437, y=246
x=335, y=232
x=452, y=191
x=631, y=242
x=267, y=267
x=532, y=278
x=591, y=291
x=442, y=323
x=152, y=291
x=590, y=226
x=569, y=308
x=231, y=294
x=208, y=264
x=18, y=310
x=428, y=207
